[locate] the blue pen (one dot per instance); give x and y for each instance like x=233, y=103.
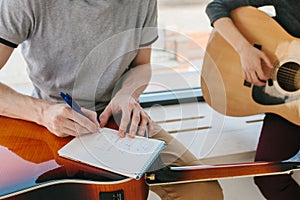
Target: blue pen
x=72, y=103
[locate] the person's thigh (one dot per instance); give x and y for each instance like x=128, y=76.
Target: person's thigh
x=175, y=154
x=279, y=140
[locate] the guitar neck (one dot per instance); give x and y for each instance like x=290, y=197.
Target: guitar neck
x=204, y=173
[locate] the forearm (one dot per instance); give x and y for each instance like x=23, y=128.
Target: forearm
x=136, y=81
x=16, y=105
x=225, y=27
x=252, y=59
x=125, y=101
x=132, y=85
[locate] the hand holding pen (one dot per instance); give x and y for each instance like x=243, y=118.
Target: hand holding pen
x=72, y=103
x=142, y=126
x=63, y=121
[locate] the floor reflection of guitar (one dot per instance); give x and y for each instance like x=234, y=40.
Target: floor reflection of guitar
x=222, y=83
x=30, y=168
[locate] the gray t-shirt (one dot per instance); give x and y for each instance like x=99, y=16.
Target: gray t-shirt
x=82, y=47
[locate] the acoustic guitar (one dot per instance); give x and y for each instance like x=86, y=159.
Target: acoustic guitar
x=30, y=168
x=223, y=86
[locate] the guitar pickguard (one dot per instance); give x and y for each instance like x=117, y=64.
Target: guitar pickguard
x=269, y=96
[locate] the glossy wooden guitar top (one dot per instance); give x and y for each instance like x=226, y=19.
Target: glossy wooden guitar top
x=31, y=168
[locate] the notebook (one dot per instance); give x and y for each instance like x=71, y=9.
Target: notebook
x=127, y=156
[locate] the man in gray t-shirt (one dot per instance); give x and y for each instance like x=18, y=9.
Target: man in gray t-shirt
x=80, y=47
x=99, y=52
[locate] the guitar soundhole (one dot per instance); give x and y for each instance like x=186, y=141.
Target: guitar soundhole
x=288, y=76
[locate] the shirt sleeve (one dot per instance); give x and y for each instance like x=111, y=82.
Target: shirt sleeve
x=222, y=8
x=15, y=22
x=149, y=30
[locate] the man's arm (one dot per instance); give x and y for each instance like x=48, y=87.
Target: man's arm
x=251, y=58
x=125, y=100
x=14, y=104
x=58, y=118
x=138, y=77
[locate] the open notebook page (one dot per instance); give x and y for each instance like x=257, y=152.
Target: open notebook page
x=126, y=156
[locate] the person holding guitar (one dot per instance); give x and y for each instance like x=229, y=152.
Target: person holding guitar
x=279, y=139
x=98, y=52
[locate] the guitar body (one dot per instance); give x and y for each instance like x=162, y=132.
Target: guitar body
x=223, y=86
x=31, y=169
x=80, y=190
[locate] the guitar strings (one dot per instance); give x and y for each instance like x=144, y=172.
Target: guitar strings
x=289, y=76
